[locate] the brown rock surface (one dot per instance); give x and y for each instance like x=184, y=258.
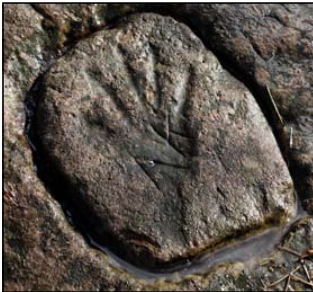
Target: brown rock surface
x=14, y=32
x=42, y=251
x=268, y=46
x=157, y=145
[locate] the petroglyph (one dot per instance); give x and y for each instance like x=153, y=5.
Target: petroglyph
x=157, y=143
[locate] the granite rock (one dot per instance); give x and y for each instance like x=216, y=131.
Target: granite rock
x=158, y=147
x=270, y=48
x=42, y=250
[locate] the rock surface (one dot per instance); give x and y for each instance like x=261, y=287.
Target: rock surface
x=42, y=251
x=268, y=46
x=158, y=146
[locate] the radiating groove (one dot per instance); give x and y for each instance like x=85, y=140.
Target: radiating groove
x=147, y=174
x=131, y=77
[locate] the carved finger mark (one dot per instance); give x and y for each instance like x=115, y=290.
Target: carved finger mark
x=188, y=100
x=152, y=93
x=179, y=124
x=132, y=78
x=180, y=93
x=153, y=76
x=113, y=104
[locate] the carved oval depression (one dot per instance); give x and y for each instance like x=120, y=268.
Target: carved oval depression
x=161, y=151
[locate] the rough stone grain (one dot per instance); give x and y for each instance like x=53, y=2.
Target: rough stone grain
x=41, y=250
x=157, y=145
x=268, y=46
x=74, y=21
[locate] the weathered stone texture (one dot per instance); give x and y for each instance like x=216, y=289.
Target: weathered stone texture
x=42, y=251
x=268, y=46
x=159, y=146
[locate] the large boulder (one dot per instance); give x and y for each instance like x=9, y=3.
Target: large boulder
x=269, y=47
x=156, y=146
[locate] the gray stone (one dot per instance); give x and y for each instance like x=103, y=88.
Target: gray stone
x=268, y=46
x=41, y=250
x=160, y=147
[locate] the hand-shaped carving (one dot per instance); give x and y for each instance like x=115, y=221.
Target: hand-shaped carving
x=162, y=151
x=151, y=114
